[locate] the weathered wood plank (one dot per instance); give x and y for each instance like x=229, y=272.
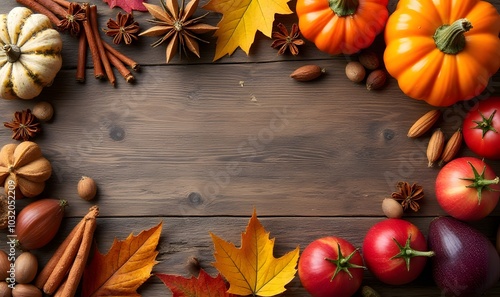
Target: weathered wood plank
x=185, y=237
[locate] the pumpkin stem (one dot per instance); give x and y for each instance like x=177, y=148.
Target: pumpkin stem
x=12, y=51
x=344, y=8
x=450, y=39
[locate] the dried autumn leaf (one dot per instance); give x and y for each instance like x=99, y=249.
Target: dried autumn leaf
x=240, y=21
x=252, y=268
x=124, y=268
x=127, y=5
x=204, y=285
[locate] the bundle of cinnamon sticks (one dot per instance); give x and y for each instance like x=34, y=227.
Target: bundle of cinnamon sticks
x=103, y=54
x=62, y=274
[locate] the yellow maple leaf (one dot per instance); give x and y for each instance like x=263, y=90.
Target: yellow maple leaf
x=240, y=21
x=252, y=268
x=124, y=268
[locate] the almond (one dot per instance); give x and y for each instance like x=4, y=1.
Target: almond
x=424, y=123
x=307, y=73
x=5, y=290
x=376, y=79
x=26, y=290
x=435, y=147
x=452, y=147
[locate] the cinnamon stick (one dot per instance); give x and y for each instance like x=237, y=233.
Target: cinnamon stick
x=42, y=277
x=120, y=67
x=102, y=53
x=59, y=291
x=76, y=272
x=82, y=58
x=63, y=3
x=94, y=51
x=128, y=61
x=35, y=6
x=65, y=262
x=53, y=7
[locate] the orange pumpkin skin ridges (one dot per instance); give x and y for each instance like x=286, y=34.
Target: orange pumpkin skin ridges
x=335, y=34
x=423, y=71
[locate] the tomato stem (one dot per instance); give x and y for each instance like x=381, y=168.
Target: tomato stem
x=480, y=183
x=344, y=8
x=342, y=263
x=407, y=252
x=12, y=51
x=486, y=124
x=450, y=39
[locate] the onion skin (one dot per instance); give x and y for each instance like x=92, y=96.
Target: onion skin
x=466, y=263
x=39, y=222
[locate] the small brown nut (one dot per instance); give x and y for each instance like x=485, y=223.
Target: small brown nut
x=369, y=60
x=355, y=71
x=307, y=73
x=26, y=290
x=87, y=188
x=367, y=291
x=452, y=147
x=424, y=123
x=392, y=208
x=5, y=290
x=376, y=79
x=4, y=265
x=43, y=111
x=26, y=268
x=435, y=147
x=4, y=213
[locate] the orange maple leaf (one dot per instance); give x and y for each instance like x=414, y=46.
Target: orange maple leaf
x=240, y=21
x=204, y=285
x=252, y=268
x=124, y=268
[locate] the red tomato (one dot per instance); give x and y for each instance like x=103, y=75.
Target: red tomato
x=395, y=251
x=331, y=266
x=463, y=189
x=481, y=128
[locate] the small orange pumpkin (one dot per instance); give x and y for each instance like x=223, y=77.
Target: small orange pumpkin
x=443, y=51
x=341, y=26
x=23, y=169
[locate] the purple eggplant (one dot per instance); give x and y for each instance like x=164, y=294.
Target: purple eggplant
x=466, y=263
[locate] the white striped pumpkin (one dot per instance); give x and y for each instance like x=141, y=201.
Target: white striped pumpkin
x=30, y=53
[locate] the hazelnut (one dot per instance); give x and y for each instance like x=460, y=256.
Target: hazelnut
x=43, y=111
x=369, y=60
x=87, y=188
x=355, y=71
x=26, y=268
x=392, y=208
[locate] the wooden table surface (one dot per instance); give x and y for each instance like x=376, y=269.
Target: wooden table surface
x=199, y=144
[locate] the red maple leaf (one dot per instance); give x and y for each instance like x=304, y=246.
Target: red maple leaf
x=127, y=5
x=204, y=285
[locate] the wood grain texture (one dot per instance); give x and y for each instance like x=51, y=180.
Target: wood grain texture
x=199, y=144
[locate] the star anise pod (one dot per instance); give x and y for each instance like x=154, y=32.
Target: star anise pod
x=284, y=40
x=24, y=125
x=176, y=26
x=123, y=28
x=72, y=23
x=409, y=195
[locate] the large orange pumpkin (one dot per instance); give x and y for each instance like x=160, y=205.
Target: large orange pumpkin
x=443, y=51
x=341, y=26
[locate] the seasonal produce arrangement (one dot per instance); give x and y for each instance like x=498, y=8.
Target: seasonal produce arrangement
x=434, y=43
